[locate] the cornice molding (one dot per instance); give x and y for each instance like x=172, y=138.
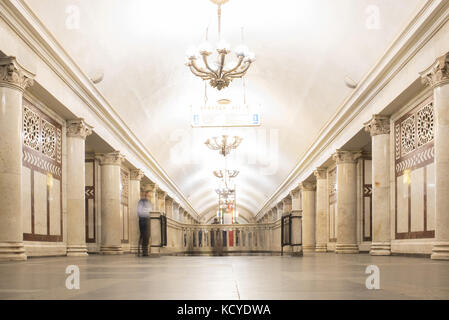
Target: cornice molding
x=421, y=28
x=23, y=21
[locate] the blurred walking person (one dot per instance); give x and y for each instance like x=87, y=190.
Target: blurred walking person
x=143, y=210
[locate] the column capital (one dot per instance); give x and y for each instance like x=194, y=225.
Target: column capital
x=294, y=194
x=78, y=128
x=287, y=200
x=320, y=173
x=342, y=156
x=113, y=158
x=136, y=174
x=378, y=125
x=13, y=75
x=308, y=186
x=279, y=206
x=161, y=194
x=438, y=73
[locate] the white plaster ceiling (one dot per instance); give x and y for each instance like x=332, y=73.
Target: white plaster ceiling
x=304, y=50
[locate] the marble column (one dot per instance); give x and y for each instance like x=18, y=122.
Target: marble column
x=134, y=197
x=346, y=201
x=437, y=76
x=161, y=201
x=14, y=79
x=169, y=207
x=379, y=129
x=110, y=203
x=308, y=215
x=296, y=205
x=286, y=210
x=175, y=211
x=77, y=131
x=321, y=210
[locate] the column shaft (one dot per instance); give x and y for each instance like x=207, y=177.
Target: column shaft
x=441, y=104
x=437, y=76
x=308, y=216
x=77, y=131
x=110, y=203
x=13, y=81
x=321, y=210
x=346, y=202
x=379, y=128
x=134, y=197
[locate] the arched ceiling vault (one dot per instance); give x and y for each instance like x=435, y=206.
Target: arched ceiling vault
x=304, y=51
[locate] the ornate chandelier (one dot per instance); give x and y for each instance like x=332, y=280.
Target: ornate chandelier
x=228, y=173
x=218, y=76
x=224, y=146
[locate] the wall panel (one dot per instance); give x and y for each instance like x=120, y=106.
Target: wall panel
x=42, y=175
x=415, y=174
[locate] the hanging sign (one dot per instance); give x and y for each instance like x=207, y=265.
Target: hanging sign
x=225, y=114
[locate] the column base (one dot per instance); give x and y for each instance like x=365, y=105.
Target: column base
x=77, y=251
x=380, y=249
x=134, y=248
x=440, y=251
x=308, y=248
x=321, y=248
x=12, y=251
x=346, y=248
x=111, y=250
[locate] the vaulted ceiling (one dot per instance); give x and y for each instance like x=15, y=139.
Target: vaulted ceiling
x=304, y=51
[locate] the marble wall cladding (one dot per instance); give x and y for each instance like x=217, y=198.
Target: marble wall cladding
x=430, y=203
x=332, y=192
x=90, y=220
x=417, y=200
x=367, y=193
x=26, y=200
x=415, y=173
x=402, y=204
x=124, y=208
x=90, y=198
x=40, y=203
x=55, y=207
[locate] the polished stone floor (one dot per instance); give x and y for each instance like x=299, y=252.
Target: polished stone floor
x=314, y=276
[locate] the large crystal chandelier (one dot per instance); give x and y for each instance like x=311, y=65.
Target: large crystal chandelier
x=224, y=146
x=218, y=76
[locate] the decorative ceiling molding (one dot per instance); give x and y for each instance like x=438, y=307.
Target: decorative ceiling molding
x=423, y=26
x=22, y=20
